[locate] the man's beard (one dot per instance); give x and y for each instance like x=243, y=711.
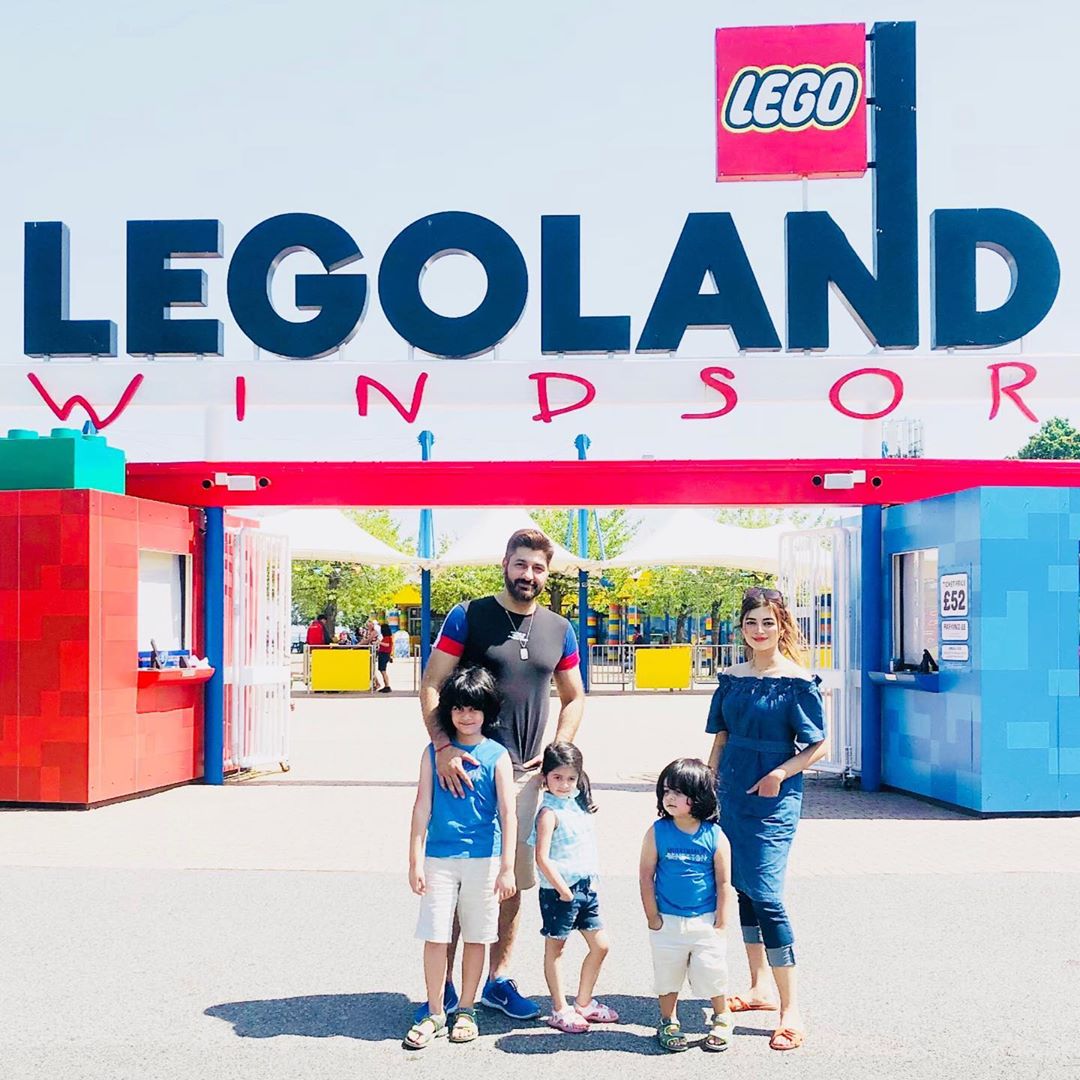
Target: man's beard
x=522, y=591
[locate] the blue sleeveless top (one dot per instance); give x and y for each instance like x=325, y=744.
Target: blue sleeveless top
x=467, y=827
x=573, y=844
x=685, y=874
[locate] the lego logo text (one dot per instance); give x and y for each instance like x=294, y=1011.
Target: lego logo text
x=782, y=98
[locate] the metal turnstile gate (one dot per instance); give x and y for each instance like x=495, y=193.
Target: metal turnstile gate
x=819, y=577
x=258, y=592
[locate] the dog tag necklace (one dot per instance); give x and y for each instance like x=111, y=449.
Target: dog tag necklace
x=521, y=638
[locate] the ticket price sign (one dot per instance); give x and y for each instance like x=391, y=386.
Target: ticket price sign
x=957, y=653
x=954, y=596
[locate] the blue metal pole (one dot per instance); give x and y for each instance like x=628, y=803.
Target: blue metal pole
x=870, y=659
x=214, y=640
x=425, y=548
x=581, y=444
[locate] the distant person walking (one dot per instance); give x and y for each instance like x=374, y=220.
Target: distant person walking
x=318, y=632
x=385, y=657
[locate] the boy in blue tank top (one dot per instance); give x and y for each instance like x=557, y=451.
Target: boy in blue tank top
x=685, y=879
x=461, y=852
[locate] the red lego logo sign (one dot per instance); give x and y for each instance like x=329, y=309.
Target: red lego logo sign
x=790, y=102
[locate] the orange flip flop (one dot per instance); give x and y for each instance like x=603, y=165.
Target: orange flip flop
x=786, y=1039
x=737, y=1004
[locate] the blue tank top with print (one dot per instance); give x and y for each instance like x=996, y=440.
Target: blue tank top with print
x=685, y=873
x=573, y=844
x=467, y=827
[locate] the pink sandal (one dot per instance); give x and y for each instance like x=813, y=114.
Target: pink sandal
x=597, y=1013
x=569, y=1021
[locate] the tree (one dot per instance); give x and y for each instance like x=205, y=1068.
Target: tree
x=617, y=530
x=1056, y=440
x=761, y=517
x=455, y=584
x=346, y=592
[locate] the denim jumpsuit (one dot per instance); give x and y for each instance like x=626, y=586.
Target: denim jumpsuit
x=767, y=720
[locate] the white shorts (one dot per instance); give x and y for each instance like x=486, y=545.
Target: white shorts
x=689, y=946
x=466, y=886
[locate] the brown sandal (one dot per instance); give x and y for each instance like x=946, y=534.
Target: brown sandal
x=786, y=1039
x=737, y=1004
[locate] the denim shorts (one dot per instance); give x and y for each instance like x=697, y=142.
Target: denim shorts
x=562, y=917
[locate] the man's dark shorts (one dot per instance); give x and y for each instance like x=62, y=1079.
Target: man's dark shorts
x=562, y=917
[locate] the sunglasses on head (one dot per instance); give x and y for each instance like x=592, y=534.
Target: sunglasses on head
x=757, y=593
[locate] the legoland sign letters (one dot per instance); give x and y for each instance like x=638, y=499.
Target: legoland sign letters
x=790, y=102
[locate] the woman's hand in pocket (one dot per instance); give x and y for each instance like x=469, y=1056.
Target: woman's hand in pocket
x=768, y=787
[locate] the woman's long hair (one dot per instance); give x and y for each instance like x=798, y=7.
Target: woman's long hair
x=567, y=755
x=792, y=643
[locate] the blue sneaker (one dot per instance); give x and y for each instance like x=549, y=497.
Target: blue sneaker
x=450, y=1003
x=503, y=994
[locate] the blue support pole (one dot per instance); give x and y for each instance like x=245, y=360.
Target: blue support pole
x=581, y=444
x=870, y=659
x=214, y=641
x=425, y=548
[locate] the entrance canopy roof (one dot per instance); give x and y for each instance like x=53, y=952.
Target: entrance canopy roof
x=692, y=538
x=484, y=542
x=330, y=535
x=818, y=482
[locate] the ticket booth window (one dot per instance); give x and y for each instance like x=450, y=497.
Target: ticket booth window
x=164, y=588
x=915, y=607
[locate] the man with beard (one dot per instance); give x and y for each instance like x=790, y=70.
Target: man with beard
x=523, y=645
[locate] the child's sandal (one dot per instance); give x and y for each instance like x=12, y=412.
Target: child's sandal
x=719, y=1037
x=464, y=1028
x=425, y=1032
x=670, y=1037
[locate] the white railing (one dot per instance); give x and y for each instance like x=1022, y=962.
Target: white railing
x=259, y=673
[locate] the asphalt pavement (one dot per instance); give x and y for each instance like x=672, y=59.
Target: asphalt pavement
x=264, y=929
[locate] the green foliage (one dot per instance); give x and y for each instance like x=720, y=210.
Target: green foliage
x=686, y=590
x=457, y=583
x=1056, y=440
x=618, y=530
x=350, y=594
x=761, y=517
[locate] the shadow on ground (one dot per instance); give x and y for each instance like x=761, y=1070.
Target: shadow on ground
x=385, y=1017
x=371, y=1017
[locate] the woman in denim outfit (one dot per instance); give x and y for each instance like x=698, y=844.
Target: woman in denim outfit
x=768, y=725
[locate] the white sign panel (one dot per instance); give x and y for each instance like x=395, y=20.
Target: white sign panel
x=954, y=595
x=955, y=652
x=954, y=630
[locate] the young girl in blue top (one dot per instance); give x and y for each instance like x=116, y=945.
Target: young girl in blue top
x=567, y=865
x=685, y=890
x=461, y=852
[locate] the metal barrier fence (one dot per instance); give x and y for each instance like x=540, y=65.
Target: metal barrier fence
x=612, y=666
x=404, y=672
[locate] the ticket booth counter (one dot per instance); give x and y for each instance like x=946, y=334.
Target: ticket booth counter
x=80, y=723
x=985, y=582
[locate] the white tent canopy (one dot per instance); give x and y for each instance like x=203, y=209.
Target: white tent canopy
x=690, y=538
x=331, y=535
x=484, y=542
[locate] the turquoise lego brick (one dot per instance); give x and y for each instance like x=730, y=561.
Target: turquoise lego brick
x=66, y=458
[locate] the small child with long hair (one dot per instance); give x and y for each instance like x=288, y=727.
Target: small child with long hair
x=461, y=852
x=685, y=877
x=567, y=865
